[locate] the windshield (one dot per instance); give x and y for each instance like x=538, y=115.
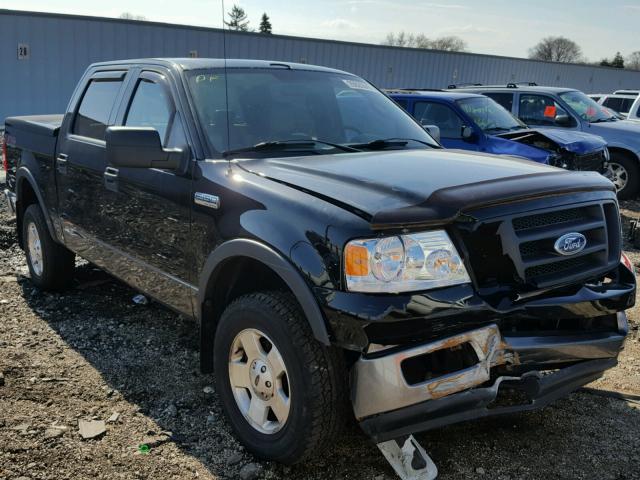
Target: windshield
x=489, y=115
x=586, y=107
x=284, y=105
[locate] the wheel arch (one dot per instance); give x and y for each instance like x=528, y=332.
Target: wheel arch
x=211, y=303
x=27, y=193
x=613, y=149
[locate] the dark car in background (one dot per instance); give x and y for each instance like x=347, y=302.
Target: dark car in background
x=469, y=121
x=571, y=110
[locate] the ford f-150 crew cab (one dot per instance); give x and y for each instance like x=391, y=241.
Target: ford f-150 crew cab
x=335, y=257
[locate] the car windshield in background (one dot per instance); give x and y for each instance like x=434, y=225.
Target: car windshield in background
x=288, y=105
x=489, y=115
x=586, y=107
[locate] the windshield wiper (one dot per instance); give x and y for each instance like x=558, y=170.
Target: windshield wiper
x=284, y=144
x=600, y=120
x=382, y=143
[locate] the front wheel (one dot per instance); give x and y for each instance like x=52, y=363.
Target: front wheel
x=50, y=264
x=624, y=172
x=282, y=391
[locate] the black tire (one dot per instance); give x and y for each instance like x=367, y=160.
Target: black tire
x=632, y=168
x=316, y=376
x=57, y=265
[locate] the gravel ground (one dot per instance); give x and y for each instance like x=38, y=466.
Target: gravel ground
x=92, y=354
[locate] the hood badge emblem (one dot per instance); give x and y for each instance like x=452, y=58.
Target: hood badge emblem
x=570, y=243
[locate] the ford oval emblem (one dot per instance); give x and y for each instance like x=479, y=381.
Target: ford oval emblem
x=570, y=243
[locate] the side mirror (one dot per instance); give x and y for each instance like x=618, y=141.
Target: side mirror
x=468, y=134
x=434, y=131
x=563, y=119
x=140, y=147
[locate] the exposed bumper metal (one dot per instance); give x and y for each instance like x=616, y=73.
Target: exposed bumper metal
x=473, y=404
x=11, y=200
x=380, y=385
x=381, y=393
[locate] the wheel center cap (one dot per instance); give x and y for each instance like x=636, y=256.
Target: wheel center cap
x=261, y=379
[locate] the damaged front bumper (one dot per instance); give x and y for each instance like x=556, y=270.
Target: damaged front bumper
x=499, y=374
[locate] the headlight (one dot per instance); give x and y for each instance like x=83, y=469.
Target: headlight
x=404, y=263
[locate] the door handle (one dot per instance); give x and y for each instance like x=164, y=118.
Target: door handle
x=111, y=179
x=61, y=163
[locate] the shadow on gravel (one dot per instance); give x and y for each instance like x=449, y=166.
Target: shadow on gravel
x=149, y=356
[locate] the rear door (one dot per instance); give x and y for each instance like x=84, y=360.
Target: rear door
x=81, y=160
x=150, y=207
x=503, y=98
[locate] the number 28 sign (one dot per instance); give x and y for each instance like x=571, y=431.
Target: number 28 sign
x=23, y=51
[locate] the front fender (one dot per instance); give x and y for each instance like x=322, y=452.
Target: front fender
x=274, y=260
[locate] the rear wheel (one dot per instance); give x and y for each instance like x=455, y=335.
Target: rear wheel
x=50, y=264
x=624, y=172
x=282, y=391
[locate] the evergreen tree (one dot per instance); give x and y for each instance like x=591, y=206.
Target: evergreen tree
x=618, y=61
x=265, y=24
x=237, y=19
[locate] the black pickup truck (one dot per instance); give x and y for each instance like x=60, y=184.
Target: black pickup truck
x=337, y=261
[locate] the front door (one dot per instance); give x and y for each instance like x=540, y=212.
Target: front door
x=151, y=206
x=450, y=123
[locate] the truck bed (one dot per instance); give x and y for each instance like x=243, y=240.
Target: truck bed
x=36, y=133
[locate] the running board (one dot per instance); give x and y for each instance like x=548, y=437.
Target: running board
x=409, y=459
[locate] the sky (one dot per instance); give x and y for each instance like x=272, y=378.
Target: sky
x=498, y=27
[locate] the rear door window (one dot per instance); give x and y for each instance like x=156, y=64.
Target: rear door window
x=443, y=116
x=504, y=99
x=541, y=110
x=95, y=108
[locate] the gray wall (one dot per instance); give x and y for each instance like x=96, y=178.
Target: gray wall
x=61, y=47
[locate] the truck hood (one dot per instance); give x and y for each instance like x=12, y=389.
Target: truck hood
x=419, y=187
x=576, y=142
x=620, y=127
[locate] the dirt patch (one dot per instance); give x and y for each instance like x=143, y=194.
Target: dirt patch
x=92, y=354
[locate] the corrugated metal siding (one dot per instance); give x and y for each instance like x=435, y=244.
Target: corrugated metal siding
x=61, y=47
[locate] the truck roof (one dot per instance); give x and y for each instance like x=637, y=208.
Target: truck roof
x=536, y=88
x=200, y=63
x=432, y=94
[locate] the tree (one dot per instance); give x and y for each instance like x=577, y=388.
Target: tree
x=265, y=24
x=450, y=44
x=556, y=49
x=633, y=60
x=131, y=16
x=410, y=40
x=237, y=19
x=618, y=61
